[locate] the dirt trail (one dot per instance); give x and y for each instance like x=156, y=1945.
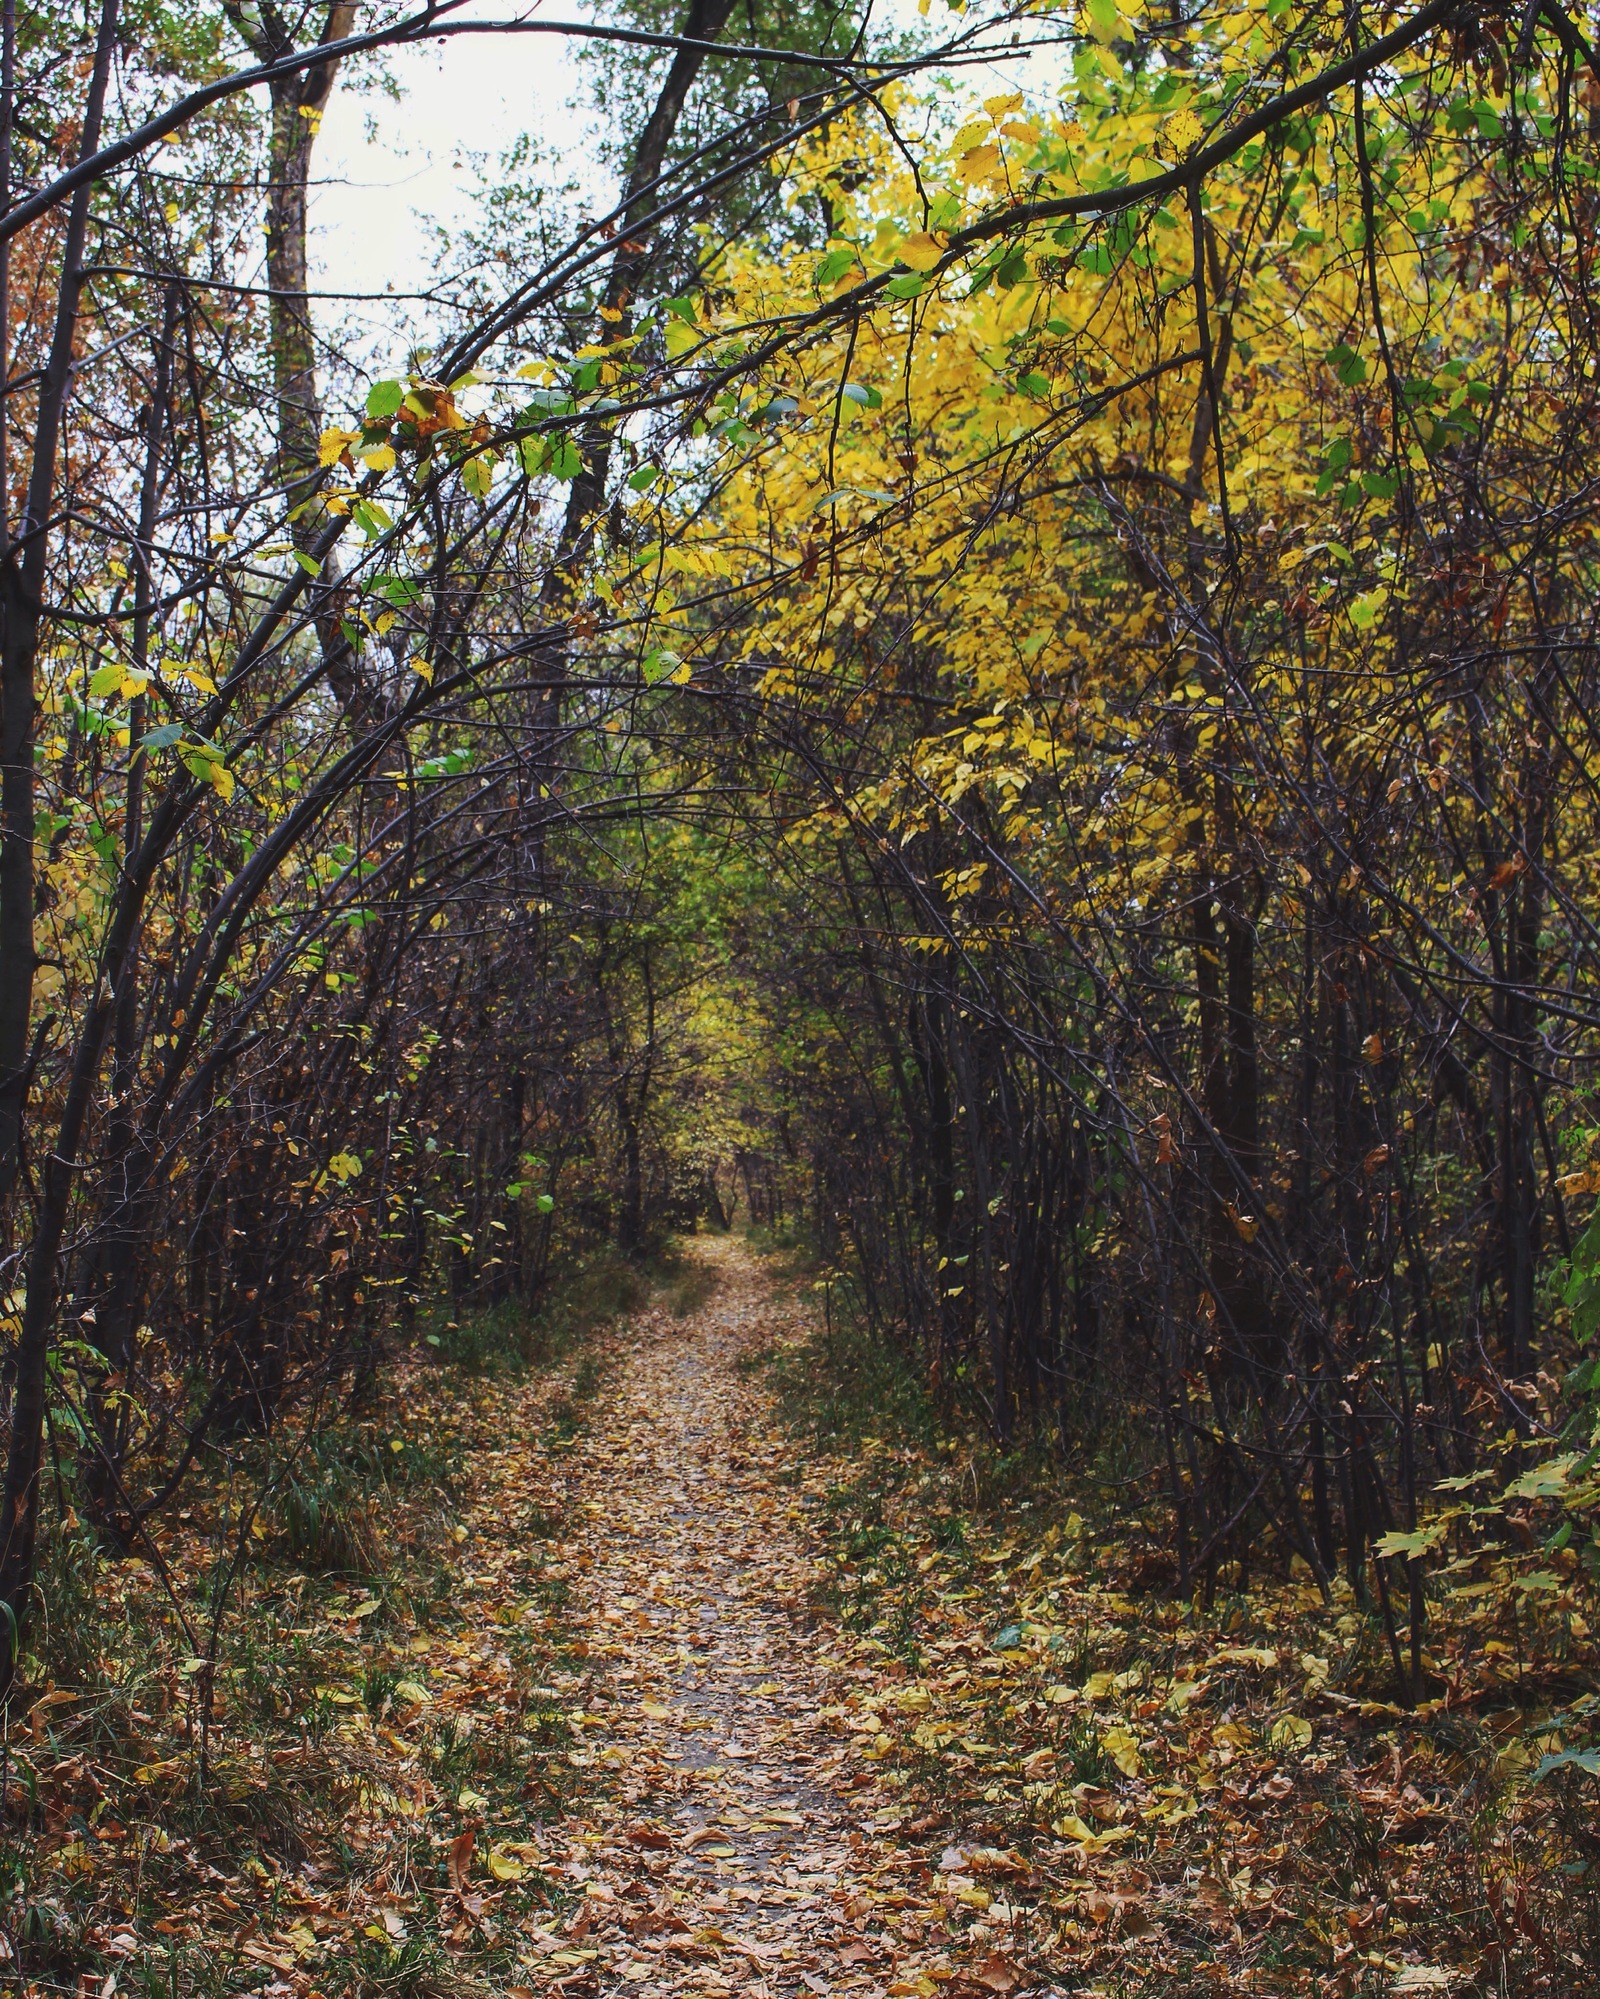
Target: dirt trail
x=732, y=1844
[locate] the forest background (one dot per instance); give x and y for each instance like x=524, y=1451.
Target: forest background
x=997, y=683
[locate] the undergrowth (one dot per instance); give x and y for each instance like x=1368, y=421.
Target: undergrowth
x=240, y=1762
x=1204, y=1796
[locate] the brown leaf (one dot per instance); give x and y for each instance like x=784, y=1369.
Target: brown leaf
x=460, y=1862
x=996, y=1974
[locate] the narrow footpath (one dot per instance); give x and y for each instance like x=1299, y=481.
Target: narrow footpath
x=733, y=1841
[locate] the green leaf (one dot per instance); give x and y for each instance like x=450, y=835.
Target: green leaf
x=383, y=399
x=1411, y=1545
x=682, y=308
x=106, y=680
x=557, y=456
x=1013, y=269
x=1347, y=364
x=833, y=267
x=1576, y=1759
x=908, y=286
x=1338, y=458
x=372, y=517
x=642, y=480
x=307, y=563
x=544, y=1203
x=658, y=663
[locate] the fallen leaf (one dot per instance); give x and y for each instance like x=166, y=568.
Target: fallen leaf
x=996, y=1974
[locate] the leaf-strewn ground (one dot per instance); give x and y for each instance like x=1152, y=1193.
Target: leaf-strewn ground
x=643, y=1692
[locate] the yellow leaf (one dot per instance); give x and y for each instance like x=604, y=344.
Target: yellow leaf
x=379, y=456
x=1291, y=1733
x=1181, y=131
x=334, y=444
x=503, y=1867
x=922, y=250
x=154, y=1773
x=1245, y=1655
x=1123, y=1749
x=221, y=781
x=978, y=161
x=1072, y=1827
x=997, y=107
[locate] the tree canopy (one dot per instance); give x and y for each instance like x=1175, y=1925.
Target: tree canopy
x=1004, y=678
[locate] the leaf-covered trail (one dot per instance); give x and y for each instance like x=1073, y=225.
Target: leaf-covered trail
x=733, y=1843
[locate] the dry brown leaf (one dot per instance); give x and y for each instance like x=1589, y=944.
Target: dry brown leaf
x=460, y=1861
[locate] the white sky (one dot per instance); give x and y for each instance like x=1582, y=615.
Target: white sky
x=384, y=167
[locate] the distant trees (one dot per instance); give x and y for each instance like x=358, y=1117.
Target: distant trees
x=1169, y=654
x=321, y=974
x=1024, y=682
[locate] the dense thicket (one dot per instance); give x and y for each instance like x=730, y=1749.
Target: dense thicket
x=1015, y=673
x=1174, y=681
x=332, y=968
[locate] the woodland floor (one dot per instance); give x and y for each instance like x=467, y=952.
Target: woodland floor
x=621, y=1674
x=740, y=1819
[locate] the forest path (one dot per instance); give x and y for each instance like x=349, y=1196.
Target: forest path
x=736, y=1844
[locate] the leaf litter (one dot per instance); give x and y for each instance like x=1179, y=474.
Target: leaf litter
x=642, y=1694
